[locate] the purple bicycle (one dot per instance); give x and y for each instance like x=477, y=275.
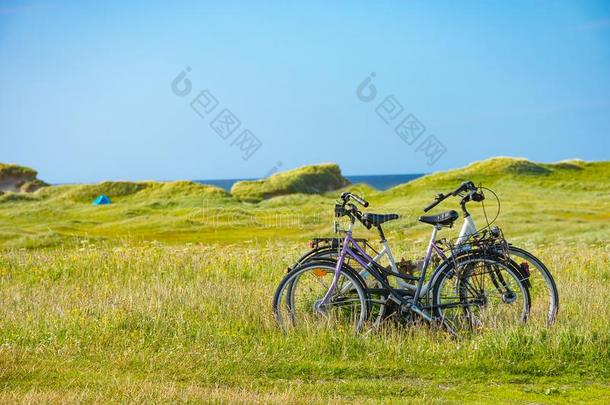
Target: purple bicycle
x=462, y=293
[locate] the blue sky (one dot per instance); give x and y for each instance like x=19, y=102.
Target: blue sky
x=87, y=86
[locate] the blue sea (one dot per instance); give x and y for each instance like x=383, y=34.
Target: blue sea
x=378, y=181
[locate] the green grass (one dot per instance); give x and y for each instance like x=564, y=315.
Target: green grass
x=165, y=295
x=308, y=180
x=7, y=170
x=153, y=322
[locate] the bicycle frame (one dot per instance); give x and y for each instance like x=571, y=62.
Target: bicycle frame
x=468, y=229
x=367, y=261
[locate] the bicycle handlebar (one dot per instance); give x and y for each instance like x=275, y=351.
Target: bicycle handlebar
x=465, y=186
x=437, y=200
x=346, y=196
x=352, y=211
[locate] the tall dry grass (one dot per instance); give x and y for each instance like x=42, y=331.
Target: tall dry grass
x=151, y=322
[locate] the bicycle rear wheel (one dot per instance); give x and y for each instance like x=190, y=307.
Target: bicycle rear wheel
x=296, y=303
x=479, y=292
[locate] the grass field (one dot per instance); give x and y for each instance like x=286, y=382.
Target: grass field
x=165, y=296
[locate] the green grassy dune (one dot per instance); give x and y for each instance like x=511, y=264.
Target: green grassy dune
x=540, y=202
x=314, y=179
x=164, y=295
x=7, y=170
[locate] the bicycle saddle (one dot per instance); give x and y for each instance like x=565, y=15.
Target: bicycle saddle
x=378, y=219
x=444, y=218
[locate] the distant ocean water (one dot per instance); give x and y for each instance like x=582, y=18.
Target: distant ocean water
x=378, y=181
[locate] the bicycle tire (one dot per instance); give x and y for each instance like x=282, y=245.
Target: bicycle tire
x=461, y=271
x=548, y=279
x=290, y=280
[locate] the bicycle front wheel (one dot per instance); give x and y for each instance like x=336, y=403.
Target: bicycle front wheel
x=541, y=285
x=480, y=292
x=380, y=308
x=298, y=300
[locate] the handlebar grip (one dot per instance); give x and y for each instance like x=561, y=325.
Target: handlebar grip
x=360, y=200
x=346, y=196
x=437, y=200
x=431, y=205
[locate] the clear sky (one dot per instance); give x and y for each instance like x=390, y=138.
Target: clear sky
x=86, y=87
